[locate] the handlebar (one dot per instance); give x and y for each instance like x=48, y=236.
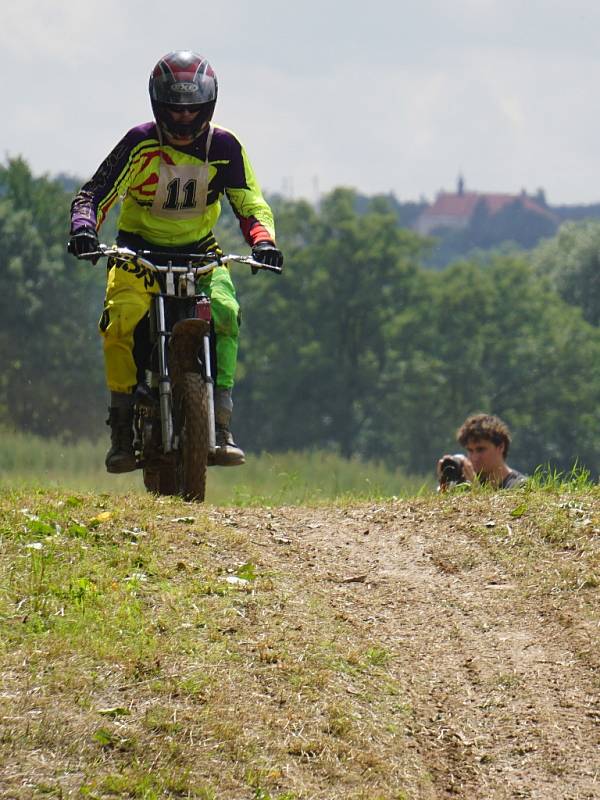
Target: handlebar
x=208, y=260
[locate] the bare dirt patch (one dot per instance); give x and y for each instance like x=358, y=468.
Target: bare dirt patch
x=499, y=661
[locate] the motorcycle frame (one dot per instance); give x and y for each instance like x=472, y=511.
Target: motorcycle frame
x=185, y=291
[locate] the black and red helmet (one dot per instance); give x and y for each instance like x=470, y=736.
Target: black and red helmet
x=183, y=80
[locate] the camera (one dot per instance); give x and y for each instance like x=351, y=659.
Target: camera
x=452, y=470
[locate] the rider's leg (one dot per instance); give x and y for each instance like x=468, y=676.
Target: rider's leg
x=225, y=311
x=120, y=456
x=127, y=302
x=229, y=453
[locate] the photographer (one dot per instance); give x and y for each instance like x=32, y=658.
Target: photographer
x=487, y=440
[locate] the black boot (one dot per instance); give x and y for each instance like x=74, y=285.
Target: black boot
x=228, y=454
x=120, y=457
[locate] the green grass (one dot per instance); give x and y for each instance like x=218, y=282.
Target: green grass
x=549, y=479
x=284, y=479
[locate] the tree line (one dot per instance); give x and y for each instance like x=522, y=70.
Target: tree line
x=357, y=347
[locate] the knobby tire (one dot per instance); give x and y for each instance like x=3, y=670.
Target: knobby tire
x=161, y=480
x=185, y=473
x=191, y=399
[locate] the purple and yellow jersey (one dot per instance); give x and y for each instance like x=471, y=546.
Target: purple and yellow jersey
x=131, y=173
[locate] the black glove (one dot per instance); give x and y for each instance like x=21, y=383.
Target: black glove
x=267, y=254
x=83, y=242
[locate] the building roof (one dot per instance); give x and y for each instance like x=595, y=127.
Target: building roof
x=461, y=205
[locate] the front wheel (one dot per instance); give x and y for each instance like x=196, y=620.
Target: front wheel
x=160, y=479
x=191, y=424
x=159, y=472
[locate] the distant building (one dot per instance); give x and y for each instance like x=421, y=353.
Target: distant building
x=455, y=211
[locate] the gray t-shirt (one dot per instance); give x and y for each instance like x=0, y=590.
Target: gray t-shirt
x=513, y=479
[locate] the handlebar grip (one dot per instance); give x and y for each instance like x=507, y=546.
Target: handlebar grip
x=270, y=268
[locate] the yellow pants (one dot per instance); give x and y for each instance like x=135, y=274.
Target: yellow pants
x=128, y=294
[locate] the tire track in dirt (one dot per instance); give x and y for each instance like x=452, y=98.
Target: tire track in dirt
x=503, y=704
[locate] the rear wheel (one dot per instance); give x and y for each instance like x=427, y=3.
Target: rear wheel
x=191, y=412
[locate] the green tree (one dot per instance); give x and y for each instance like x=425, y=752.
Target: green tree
x=315, y=343
x=51, y=382
x=496, y=338
x=571, y=261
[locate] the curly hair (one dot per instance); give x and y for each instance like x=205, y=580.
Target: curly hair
x=485, y=426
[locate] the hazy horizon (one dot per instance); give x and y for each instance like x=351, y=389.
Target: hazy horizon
x=402, y=99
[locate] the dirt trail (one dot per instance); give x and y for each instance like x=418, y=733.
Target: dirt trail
x=503, y=682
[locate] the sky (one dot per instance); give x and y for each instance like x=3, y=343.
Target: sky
x=383, y=96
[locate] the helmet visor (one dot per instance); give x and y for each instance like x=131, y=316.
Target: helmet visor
x=183, y=120
x=175, y=108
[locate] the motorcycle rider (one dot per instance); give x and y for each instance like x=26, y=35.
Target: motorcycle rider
x=170, y=175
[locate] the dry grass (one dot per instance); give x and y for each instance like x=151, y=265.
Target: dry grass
x=151, y=648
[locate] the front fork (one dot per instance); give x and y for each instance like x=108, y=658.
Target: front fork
x=210, y=393
x=165, y=392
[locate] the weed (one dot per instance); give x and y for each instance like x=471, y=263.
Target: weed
x=161, y=720
x=140, y=782
x=262, y=794
x=549, y=479
x=339, y=723
x=377, y=657
x=213, y=587
x=39, y=559
x=47, y=790
x=509, y=681
x=246, y=572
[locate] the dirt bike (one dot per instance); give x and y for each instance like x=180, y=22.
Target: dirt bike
x=174, y=420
